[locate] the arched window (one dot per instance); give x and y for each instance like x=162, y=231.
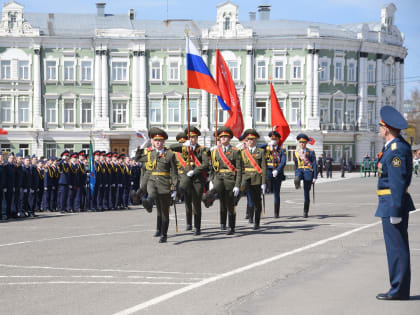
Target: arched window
x=226, y=25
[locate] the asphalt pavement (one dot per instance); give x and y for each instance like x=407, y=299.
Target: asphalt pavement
x=334, y=262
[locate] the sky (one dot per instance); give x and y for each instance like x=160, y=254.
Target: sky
x=407, y=17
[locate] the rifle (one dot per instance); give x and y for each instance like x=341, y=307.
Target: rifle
x=176, y=216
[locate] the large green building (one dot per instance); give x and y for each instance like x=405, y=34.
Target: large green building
x=66, y=79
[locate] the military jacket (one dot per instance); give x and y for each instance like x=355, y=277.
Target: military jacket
x=249, y=172
x=305, y=167
x=220, y=169
x=276, y=159
x=200, y=153
x=162, y=169
x=64, y=171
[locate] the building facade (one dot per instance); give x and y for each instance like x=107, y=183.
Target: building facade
x=67, y=79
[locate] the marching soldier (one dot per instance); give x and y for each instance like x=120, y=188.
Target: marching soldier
x=226, y=176
x=162, y=180
x=276, y=161
x=193, y=177
x=305, y=169
x=254, y=173
x=394, y=171
x=63, y=182
x=181, y=163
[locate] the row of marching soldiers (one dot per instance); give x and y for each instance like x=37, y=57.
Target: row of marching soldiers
x=29, y=184
x=230, y=171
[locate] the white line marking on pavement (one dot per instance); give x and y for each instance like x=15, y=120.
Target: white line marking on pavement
x=260, y=263
x=93, y=282
x=96, y=276
x=108, y=270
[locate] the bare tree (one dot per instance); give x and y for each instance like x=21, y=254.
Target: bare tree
x=413, y=116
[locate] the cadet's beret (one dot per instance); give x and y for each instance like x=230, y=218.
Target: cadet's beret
x=274, y=135
x=193, y=131
x=392, y=118
x=181, y=137
x=302, y=137
x=224, y=131
x=158, y=134
x=65, y=153
x=251, y=134
x=74, y=155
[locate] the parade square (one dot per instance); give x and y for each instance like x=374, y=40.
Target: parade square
x=110, y=263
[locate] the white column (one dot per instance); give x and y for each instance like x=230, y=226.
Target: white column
x=37, y=117
x=249, y=88
x=142, y=91
x=315, y=106
x=398, y=104
x=362, y=91
x=309, y=85
x=401, y=83
x=204, y=101
x=135, y=88
x=104, y=89
x=98, y=85
x=378, y=84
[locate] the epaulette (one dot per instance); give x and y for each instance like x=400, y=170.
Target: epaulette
x=393, y=146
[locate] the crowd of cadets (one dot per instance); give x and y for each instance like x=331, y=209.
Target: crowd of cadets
x=224, y=172
x=29, y=184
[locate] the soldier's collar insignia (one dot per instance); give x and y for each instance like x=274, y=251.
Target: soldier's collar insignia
x=396, y=162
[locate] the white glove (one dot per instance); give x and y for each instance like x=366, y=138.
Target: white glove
x=190, y=173
x=272, y=143
x=173, y=195
x=395, y=220
x=70, y=186
x=31, y=190
x=112, y=185
x=88, y=174
x=240, y=146
x=119, y=185
x=53, y=187
x=5, y=189
x=235, y=191
x=187, y=143
x=314, y=180
x=263, y=188
x=45, y=188
x=275, y=173
x=132, y=183
x=211, y=186
x=25, y=190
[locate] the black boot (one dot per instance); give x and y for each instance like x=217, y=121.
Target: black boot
x=297, y=182
x=232, y=223
x=197, y=224
x=164, y=236
x=158, y=226
x=257, y=219
x=306, y=209
x=223, y=217
x=277, y=210
x=251, y=214
x=247, y=213
x=189, y=221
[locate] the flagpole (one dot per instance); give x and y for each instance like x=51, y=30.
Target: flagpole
x=217, y=111
x=188, y=112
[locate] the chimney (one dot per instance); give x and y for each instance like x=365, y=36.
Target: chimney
x=100, y=9
x=252, y=15
x=264, y=12
x=131, y=14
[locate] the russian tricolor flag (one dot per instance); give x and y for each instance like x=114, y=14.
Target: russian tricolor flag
x=198, y=75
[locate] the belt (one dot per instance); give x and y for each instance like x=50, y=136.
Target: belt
x=382, y=192
x=160, y=173
x=272, y=164
x=225, y=170
x=180, y=172
x=250, y=169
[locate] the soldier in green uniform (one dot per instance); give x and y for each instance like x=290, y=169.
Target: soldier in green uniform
x=226, y=176
x=254, y=170
x=162, y=179
x=180, y=163
x=194, y=162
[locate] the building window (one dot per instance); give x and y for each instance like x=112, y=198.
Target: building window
x=12, y=20
x=338, y=112
x=69, y=117
x=5, y=147
x=86, y=71
x=23, y=109
x=351, y=111
x=221, y=117
x=119, y=112
x=339, y=71
x=50, y=150
x=261, y=111
x=351, y=72
x=173, y=72
x=119, y=71
x=324, y=111
x=291, y=149
x=226, y=24
x=393, y=75
x=155, y=111
x=6, y=109
x=155, y=71
x=371, y=113
x=85, y=147
x=69, y=147
x=51, y=111
x=173, y=111
x=5, y=68
x=338, y=152
x=278, y=70
x=86, y=111
x=261, y=70
x=24, y=148
x=323, y=74
x=51, y=70
x=234, y=69
x=68, y=71
x=297, y=70
x=371, y=73
x=295, y=112
x=347, y=151
x=193, y=111
x=387, y=74
x=327, y=150
x=23, y=70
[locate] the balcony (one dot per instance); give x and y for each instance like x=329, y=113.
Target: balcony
x=338, y=127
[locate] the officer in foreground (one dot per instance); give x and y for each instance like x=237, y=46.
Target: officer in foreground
x=395, y=168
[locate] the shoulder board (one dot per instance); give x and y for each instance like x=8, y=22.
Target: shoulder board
x=394, y=146
x=235, y=149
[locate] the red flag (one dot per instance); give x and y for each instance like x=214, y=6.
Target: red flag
x=3, y=132
x=229, y=95
x=278, y=122
x=311, y=141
